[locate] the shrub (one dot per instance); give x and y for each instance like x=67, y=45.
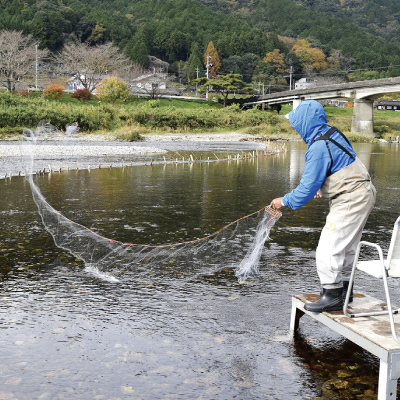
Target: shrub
x=111, y=89
x=24, y=93
x=53, y=91
x=82, y=94
x=130, y=134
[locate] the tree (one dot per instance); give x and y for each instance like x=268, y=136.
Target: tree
x=276, y=61
x=17, y=56
x=48, y=26
x=213, y=60
x=89, y=64
x=97, y=35
x=339, y=61
x=224, y=84
x=194, y=62
x=137, y=50
x=250, y=64
x=111, y=89
x=310, y=56
x=158, y=65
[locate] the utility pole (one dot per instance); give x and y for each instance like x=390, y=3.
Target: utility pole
x=36, y=66
x=197, y=77
x=207, y=66
x=290, y=79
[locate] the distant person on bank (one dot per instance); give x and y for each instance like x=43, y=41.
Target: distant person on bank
x=332, y=170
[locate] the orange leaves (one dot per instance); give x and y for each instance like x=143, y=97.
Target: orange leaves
x=276, y=60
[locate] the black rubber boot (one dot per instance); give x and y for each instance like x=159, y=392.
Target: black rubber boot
x=331, y=300
x=345, y=289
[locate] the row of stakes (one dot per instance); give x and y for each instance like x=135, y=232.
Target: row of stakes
x=190, y=160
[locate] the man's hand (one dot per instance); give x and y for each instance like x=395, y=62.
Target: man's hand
x=277, y=203
x=318, y=195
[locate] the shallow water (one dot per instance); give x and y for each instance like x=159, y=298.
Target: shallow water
x=69, y=334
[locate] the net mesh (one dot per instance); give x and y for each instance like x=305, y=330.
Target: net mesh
x=237, y=245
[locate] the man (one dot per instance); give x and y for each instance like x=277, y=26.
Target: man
x=332, y=170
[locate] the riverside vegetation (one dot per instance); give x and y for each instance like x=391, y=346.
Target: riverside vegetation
x=127, y=120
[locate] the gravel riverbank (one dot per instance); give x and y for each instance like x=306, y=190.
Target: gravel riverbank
x=94, y=151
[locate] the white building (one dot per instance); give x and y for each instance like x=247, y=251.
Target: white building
x=305, y=83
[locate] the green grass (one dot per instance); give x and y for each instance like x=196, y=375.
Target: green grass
x=127, y=120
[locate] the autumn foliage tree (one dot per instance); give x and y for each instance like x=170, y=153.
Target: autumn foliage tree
x=211, y=57
x=310, y=56
x=276, y=61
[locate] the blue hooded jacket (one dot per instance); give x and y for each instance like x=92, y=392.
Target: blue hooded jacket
x=309, y=120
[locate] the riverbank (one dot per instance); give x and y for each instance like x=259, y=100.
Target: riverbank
x=83, y=151
x=88, y=151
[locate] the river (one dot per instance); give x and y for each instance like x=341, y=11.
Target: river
x=67, y=334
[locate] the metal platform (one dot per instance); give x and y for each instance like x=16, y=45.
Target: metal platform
x=371, y=333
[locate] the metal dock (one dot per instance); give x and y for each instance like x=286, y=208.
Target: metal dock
x=371, y=333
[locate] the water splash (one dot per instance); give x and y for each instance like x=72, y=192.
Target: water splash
x=249, y=265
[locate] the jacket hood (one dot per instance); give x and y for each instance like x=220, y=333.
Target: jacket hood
x=309, y=120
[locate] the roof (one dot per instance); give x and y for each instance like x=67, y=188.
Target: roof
x=388, y=103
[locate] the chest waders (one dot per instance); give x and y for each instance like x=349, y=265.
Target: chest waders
x=352, y=197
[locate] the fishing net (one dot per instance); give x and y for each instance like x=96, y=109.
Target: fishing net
x=237, y=245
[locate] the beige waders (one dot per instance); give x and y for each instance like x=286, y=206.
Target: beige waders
x=351, y=199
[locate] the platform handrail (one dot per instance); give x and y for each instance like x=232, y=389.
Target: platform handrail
x=389, y=311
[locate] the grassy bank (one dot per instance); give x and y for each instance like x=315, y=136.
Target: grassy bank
x=127, y=120
x=134, y=115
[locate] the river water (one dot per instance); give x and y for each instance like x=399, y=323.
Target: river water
x=67, y=334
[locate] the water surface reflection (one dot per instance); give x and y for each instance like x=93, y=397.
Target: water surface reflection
x=66, y=334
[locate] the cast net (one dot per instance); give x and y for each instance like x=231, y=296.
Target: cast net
x=238, y=245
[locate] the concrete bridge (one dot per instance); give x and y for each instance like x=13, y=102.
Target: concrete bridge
x=362, y=93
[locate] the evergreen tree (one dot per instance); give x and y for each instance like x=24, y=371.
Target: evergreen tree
x=224, y=84
x=195, y=67
x=137, y=51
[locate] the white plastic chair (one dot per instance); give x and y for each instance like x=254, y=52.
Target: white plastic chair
x=381, y=269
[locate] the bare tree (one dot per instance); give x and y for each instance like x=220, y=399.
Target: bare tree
x=322, y=80
x=18, y=54
x=158, y=65
x=89, y=64
x=130, y=72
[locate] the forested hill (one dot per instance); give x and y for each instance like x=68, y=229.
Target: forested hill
x=365, y=31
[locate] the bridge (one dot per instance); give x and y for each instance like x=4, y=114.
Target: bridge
x=362, y=93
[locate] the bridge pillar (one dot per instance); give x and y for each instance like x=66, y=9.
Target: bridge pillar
x=296, y=103
x=363, y=120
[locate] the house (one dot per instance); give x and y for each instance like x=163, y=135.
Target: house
x=150, y=81
x=75, y=83
x=305, y=83
x=387, y=105
x=335, y=103
x=152, y=84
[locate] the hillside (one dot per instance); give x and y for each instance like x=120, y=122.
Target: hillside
x=243, y=31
